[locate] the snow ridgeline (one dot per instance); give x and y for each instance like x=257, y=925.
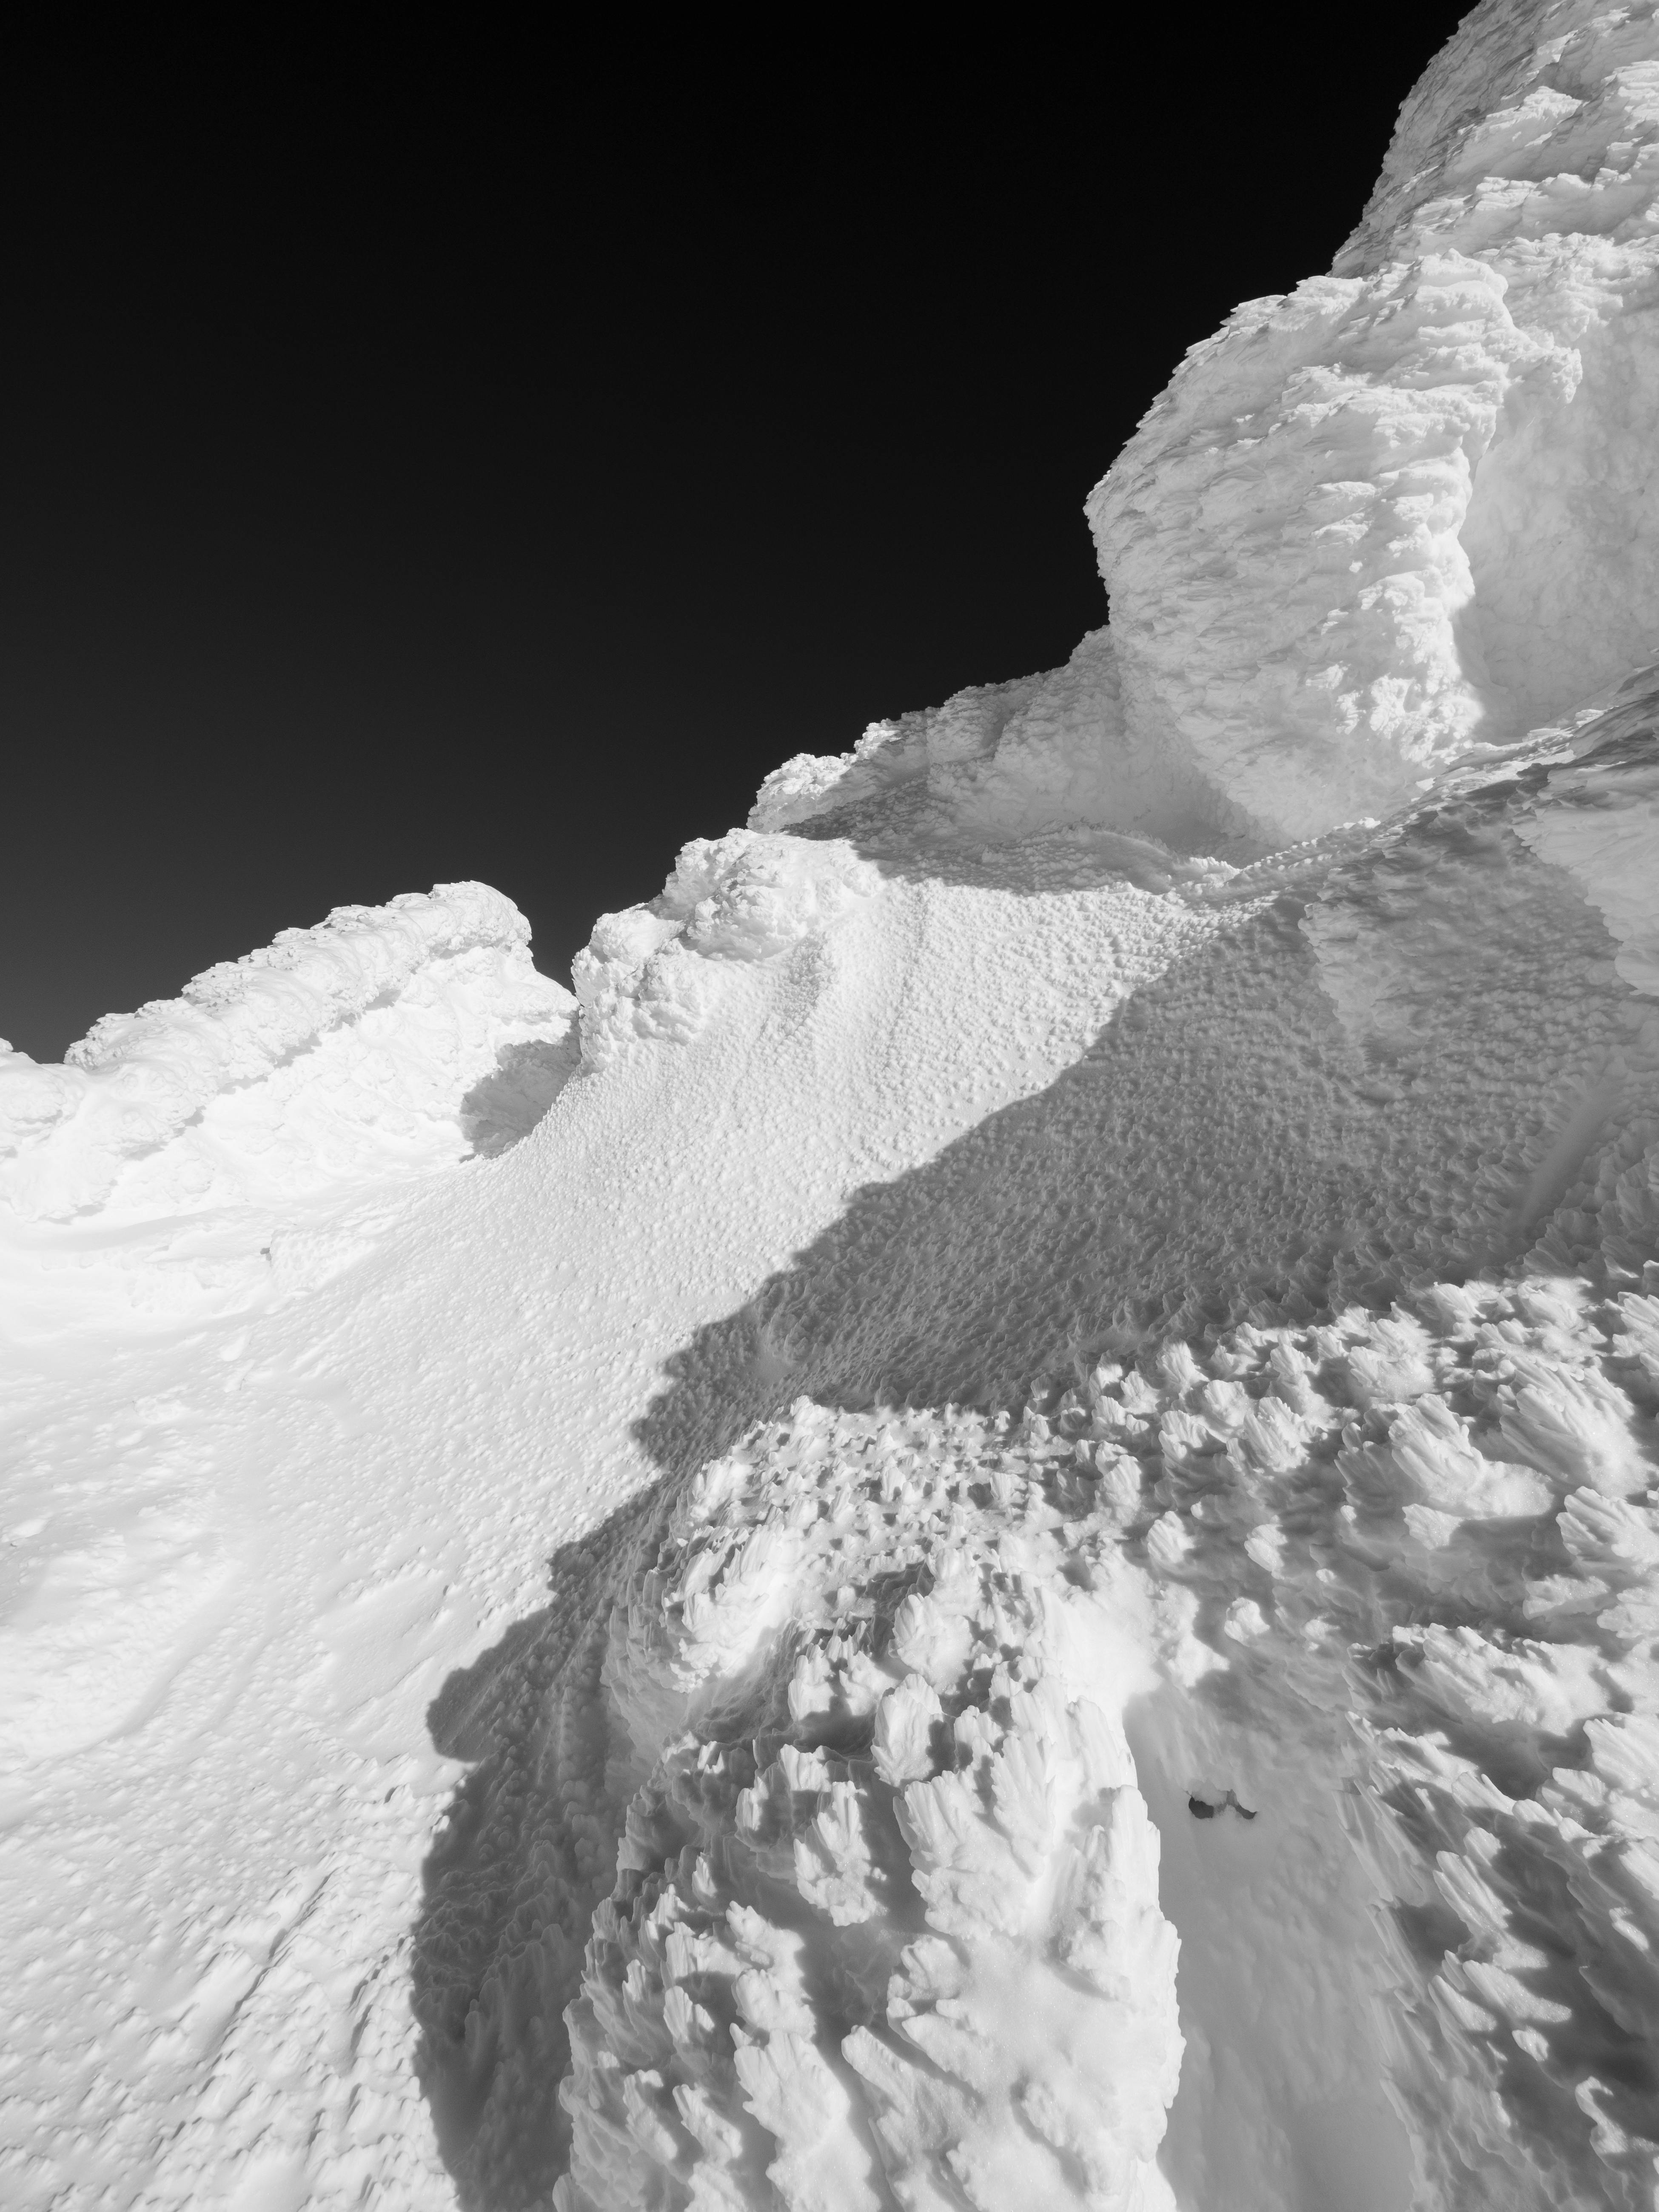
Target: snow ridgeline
x=357, y=1048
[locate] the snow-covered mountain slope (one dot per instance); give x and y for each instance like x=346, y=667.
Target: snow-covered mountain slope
x=1000, y=1545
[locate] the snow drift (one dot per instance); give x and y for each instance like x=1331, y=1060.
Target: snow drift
x=1082, y=1331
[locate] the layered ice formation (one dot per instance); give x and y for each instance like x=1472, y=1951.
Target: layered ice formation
x=986, y=1530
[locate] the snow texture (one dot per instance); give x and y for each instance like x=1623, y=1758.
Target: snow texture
x=986, y=1530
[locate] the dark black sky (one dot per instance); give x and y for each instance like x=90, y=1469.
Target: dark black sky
x=461, y=455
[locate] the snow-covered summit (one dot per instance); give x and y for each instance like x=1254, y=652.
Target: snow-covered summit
x=1014, y=1556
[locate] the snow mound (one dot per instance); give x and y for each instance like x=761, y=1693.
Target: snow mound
x=336, y=1054
x=664, y=970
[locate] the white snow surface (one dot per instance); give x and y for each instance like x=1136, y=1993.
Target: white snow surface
x=986, y=1530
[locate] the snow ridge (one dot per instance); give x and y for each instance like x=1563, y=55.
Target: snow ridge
x=331, y=1052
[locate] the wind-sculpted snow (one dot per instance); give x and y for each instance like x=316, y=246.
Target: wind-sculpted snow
x=1348, y=1625
x=837, y=1963
x=887, y=1918
x=999, y=763
x=1602, y=826
x=1090, y=1373
x=1283, y=541
x=1406, y=509
x=660, y=970
x=1398, y=515
x=334, y=1054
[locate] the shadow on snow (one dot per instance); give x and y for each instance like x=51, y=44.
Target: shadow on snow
x=1226, y=1150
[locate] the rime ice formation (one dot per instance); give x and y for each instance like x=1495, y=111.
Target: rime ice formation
x=1401, y=513
x=333, y=1053
x=1407, y=510
x=986, y=1530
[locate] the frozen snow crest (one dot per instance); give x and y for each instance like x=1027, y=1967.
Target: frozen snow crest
x=334, y=1054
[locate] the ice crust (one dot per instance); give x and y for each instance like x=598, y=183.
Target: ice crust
x=1078, y=1307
